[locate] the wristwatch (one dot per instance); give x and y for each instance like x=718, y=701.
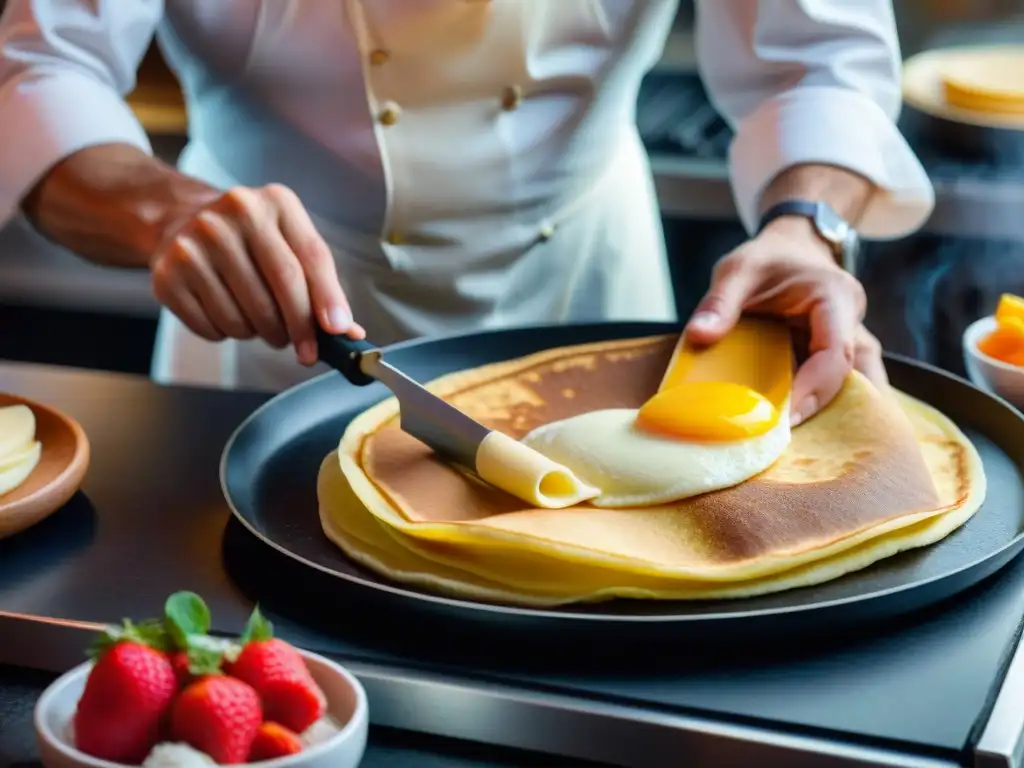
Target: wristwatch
x=836, y=232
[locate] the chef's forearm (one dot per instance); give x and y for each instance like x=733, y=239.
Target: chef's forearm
x=113, y=204
x=848, y=193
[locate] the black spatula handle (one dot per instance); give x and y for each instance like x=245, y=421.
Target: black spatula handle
x=343, y=355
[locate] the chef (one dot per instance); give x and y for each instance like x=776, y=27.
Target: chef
x=399, y=168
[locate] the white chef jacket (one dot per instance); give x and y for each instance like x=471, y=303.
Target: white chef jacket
x=472, y=163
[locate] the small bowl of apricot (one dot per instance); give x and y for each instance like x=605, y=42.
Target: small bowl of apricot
x=994, y=351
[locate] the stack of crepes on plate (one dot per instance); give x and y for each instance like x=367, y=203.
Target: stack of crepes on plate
x=700, y=488
x=987, y=79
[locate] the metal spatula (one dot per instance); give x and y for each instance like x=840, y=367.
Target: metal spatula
x=424, y=415
x=504, y=462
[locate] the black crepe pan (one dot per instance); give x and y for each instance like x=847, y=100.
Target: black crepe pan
x=269, y=468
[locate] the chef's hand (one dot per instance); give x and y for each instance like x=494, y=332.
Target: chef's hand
x=251, y=263
x=788, y=272
x=867, y=358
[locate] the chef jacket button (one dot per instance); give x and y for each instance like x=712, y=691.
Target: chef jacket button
x=379, y=57
x=389, y=113
x=547, y=230
x=511, y=98
x=395, y=238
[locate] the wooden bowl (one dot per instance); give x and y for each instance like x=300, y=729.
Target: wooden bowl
x=57, y=476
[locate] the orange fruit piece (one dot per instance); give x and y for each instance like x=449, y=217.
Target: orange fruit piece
x=1010, y=308
x=1006, y=342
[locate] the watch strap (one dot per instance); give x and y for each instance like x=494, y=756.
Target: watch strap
x=804, y=208
x=845, y=248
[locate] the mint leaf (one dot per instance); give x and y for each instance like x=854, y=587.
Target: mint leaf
x=257, y=628
x=186, y=614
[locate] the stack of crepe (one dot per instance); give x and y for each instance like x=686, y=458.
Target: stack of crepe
x=873, y=474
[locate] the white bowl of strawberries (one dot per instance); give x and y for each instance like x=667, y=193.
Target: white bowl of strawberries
x=165, y=694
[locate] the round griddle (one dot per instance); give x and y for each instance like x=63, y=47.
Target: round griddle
x=269, y=469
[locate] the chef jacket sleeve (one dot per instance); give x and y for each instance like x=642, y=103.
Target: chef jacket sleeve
x=65, y=67
x=813, y=81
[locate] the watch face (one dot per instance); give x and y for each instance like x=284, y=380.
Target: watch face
x=831, y=226
x=836, y=231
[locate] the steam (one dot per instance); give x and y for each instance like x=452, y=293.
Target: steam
x=923, y=292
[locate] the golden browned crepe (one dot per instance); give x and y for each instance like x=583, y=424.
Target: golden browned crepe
x=854, y=486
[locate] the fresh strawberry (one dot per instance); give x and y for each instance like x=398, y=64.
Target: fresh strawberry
x=127, y=695
x=218, y=715
x=180, y=665
x=272, y=741
x=276, y=670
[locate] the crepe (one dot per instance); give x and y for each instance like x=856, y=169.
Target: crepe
x=501, y=574
x=987, y=79
x=840, y=498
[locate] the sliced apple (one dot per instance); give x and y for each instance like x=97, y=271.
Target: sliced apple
x=15, y=474
x=17, y=429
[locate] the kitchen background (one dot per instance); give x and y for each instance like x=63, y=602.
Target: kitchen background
x=923, y=290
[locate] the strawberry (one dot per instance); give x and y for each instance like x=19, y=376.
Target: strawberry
x=273, y=741
x=127, y=695
x=180, y=665
x=276, y=670
x=218, y=715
